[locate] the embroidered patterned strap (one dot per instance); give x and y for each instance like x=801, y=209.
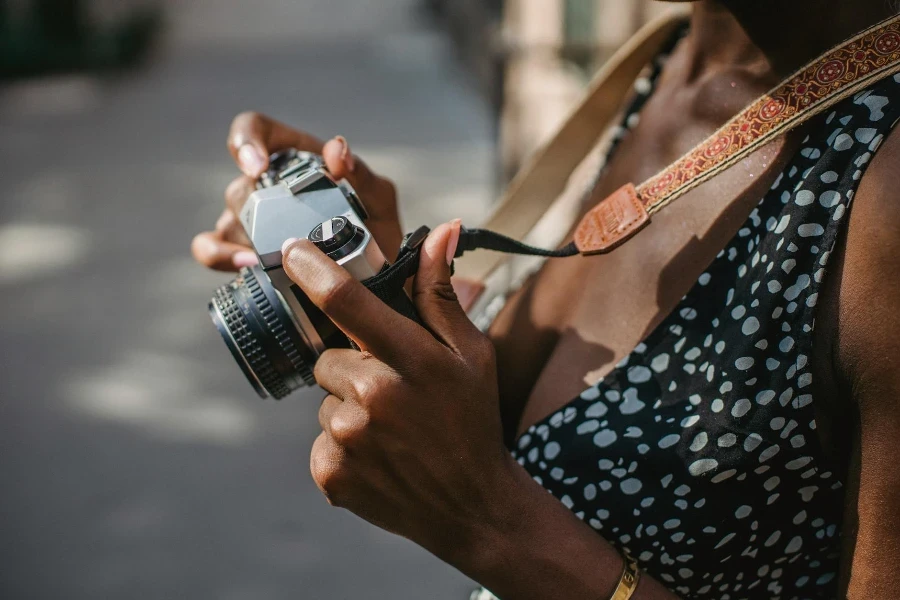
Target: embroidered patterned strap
x=837, y=74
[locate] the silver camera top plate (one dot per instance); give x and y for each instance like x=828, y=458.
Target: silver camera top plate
x=292, y=199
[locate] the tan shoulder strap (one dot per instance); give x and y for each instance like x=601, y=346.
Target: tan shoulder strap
x=545, y=175
x=815, y=88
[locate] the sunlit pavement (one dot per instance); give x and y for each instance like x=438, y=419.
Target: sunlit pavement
x=135, y=462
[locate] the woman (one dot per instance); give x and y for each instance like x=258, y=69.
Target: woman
x=725, y=443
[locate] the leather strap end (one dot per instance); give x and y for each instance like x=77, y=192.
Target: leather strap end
x=612, y=222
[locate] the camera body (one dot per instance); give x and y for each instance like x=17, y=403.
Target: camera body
x=295, y=196
x=271, y=328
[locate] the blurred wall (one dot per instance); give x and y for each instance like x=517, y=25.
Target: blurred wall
x=547, y=51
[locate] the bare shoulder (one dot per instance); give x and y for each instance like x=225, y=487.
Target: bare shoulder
x=868, y=312
x=877, y=203
x=866, y=353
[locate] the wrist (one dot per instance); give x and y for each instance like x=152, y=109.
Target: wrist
x=486, y=541
x=532, y=546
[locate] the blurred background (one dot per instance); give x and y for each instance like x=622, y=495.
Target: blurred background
x=135, y=461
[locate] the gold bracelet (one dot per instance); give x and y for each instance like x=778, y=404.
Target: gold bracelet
x=629, y=581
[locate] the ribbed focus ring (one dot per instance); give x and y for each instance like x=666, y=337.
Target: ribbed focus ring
x=276, y=328
x=249, y=347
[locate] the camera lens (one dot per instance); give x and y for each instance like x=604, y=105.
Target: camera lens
x=261, y=335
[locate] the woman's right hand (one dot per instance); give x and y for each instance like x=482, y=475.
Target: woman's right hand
x=252, y=138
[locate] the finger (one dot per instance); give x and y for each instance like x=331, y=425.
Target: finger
x=368, y=321
x=338, y=370
x=236, y=194
x=253, y=137
x=357, y=378
x=335, y=369
x=343, y=422
x=433, y=293
x=326, y=411
x=325, y=462
x=339, y=159
x=230, y=229
x=342, y=164
x=210, y=250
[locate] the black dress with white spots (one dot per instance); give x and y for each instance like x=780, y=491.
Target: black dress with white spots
x=698, y=454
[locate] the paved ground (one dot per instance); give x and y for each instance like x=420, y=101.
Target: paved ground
x=134, y=460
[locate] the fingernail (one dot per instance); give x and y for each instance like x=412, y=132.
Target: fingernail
x=455, y=226
x=287, y=243
x=245, y=258
x=252, y=161
x=346, y=155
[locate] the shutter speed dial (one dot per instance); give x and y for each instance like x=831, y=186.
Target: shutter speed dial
x=337, y=237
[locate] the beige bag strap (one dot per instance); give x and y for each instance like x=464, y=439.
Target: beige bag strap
x=545, y=175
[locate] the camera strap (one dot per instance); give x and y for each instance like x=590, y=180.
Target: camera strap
x=816, y=87
x=841, y=72
x=391, y=280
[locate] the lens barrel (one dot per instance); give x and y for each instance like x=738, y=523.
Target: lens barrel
x=261, y=335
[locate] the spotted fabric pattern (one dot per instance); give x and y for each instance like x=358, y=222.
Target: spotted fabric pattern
x=698, y=455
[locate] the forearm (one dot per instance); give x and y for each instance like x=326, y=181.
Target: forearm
x=536, y=549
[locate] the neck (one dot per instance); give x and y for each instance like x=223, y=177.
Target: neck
x=775, y=37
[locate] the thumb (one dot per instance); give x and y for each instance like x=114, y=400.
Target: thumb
x=376, y=193
x=339, y=159
x=433, y=294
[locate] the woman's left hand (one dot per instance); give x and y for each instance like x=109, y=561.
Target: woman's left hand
x=412, y=439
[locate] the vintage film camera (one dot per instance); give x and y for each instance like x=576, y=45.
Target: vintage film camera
x=272, y=329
